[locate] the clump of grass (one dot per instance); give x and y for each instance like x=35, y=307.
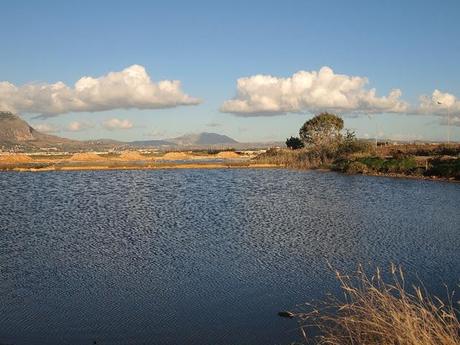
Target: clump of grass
x=300, y=159
x=376, y=312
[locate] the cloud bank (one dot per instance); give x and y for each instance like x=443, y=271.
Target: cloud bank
x=129, y=88
x=310, y=92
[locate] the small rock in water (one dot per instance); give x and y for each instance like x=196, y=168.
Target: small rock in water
x=287, y=314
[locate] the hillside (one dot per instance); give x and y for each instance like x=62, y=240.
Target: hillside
x=202, y=139
x=17, y=135
x=189, y=141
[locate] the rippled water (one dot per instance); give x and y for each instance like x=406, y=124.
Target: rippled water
x=203, y=256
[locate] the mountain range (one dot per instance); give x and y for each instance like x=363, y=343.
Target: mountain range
x=200, y=139
x=16, y=134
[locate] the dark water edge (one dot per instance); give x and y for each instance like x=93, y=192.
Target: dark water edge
x=204, y=256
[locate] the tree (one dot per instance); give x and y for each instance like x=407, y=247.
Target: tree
x=294, y=143
x=322, y=130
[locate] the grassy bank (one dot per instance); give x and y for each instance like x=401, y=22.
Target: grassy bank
x=433, y=161
x=373, y=311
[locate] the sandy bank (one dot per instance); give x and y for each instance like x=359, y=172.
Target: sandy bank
x=146, y=167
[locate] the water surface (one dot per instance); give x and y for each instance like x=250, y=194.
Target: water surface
x=203, y=256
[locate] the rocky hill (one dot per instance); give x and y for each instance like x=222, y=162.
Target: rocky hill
x=17, y=135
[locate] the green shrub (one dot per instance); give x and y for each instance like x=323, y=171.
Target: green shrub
x=374, y=163
x=401, y=165
x=356, y=167
x=294, y=143
x=444, y=168
x=406, y=165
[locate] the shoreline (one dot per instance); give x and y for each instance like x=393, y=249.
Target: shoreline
x=204, y=166
x=167, y=166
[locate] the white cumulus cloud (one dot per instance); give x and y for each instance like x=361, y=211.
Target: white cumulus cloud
x=311, y=91
x=115, y=123
x=439, y=103
x=129, y=88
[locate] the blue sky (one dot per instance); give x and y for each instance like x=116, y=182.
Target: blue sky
x=413, y=46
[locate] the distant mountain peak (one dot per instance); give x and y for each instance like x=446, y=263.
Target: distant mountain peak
x=204, y=138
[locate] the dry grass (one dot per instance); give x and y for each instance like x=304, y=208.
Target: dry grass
x=376, y=312
x=300, y=159
x=420, y=149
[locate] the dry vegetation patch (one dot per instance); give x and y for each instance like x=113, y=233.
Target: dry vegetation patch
x=15, y=158
x=380, y=313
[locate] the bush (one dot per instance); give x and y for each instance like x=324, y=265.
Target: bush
x=356, y=168
x=401, y=165
x=446, y=168
x=294, y=143
x=347, y=148
x=374, y=163
x=407, y=165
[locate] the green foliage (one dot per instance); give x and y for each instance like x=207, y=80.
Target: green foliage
x=294, y=143
x=444, y=168
x=405, y=165
x=322, y=130
x=374, y=163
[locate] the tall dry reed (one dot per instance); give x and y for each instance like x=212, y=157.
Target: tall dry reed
x=374, y=311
